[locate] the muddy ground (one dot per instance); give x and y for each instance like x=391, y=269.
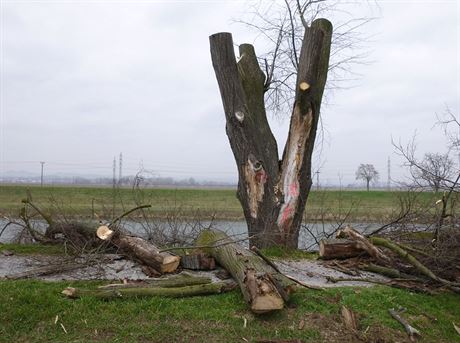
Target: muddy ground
x=116, y=267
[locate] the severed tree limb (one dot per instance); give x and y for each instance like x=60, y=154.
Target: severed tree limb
x=181, y=280
x=45, y=270
x=411, y=331
x=174, y=292
x=120, y=217
x=413, y=261
x=144, y=251
x=263, y=288
x=390, y=272
x=334, y=248
x=275, y=267
x=363, y=243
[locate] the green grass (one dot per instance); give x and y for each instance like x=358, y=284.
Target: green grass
x=28, y=310
x=98, y=201
x=287, y=253
x=32, y=249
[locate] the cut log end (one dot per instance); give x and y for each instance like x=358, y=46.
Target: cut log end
x=70, y=292
x=267, y=303
x=239, y=116
x=103, y=232
x=170, y=264
x=304, y=86
x=339, y=249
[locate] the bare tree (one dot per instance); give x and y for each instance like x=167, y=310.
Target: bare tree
x=368, y=173
x=433, y=170
x=281, y=25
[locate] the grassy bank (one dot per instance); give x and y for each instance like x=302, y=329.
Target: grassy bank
x=28, y=312
x=91, y=201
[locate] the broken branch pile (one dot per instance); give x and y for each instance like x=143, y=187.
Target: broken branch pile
x=391, y=260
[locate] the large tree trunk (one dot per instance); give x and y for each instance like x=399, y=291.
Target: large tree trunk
x=262, y=286
x=273, y=193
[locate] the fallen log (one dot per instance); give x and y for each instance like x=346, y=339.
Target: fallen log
x=414, y=262
x=45, y=270
x=181, y=280
x=334, y=248
x=173, y=292
x=198, y=261
x=363, y=243
x=390, y=272
x=140, y=249
x=263, y=287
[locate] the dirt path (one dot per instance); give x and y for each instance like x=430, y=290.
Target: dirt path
x=115, y=267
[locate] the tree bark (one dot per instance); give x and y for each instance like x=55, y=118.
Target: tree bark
x=179, y=280
x=339, y=249
x=273, y=193
x=140, y=249
x=173, y=292
x=263, y=288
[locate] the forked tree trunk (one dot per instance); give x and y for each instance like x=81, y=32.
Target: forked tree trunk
x=273, y=193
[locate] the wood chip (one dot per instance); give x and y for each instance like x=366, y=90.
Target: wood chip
x=349, y=319
x=456, y=328
x=301, y=324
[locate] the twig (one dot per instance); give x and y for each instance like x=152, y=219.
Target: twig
x=411, y=331
x=265, y=258
x=117, y=219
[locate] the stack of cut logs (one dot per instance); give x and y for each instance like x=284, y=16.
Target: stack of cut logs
x=264, y=288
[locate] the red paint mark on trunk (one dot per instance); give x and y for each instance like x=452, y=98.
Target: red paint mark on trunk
x=294, y=189
x=261, y=176
x=286, y=215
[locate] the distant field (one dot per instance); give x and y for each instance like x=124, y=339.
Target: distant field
x=90, y=201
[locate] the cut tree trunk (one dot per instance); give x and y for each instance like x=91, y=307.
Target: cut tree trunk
x=263, y=288
x=198, y=261
x=273, y=193
x=349, y=233
x=339, y=249
x=140, y=249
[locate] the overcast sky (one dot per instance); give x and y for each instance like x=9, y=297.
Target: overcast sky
x=82, y=81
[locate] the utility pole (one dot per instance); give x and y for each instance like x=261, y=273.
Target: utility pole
x=389, y=174
x=317, y=180
x=120, y=162
x=114, y=181
x=41, y=177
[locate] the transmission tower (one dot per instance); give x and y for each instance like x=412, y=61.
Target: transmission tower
x=120, y=165
x=114, y=172
x=389, y=173
x=317, y=180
